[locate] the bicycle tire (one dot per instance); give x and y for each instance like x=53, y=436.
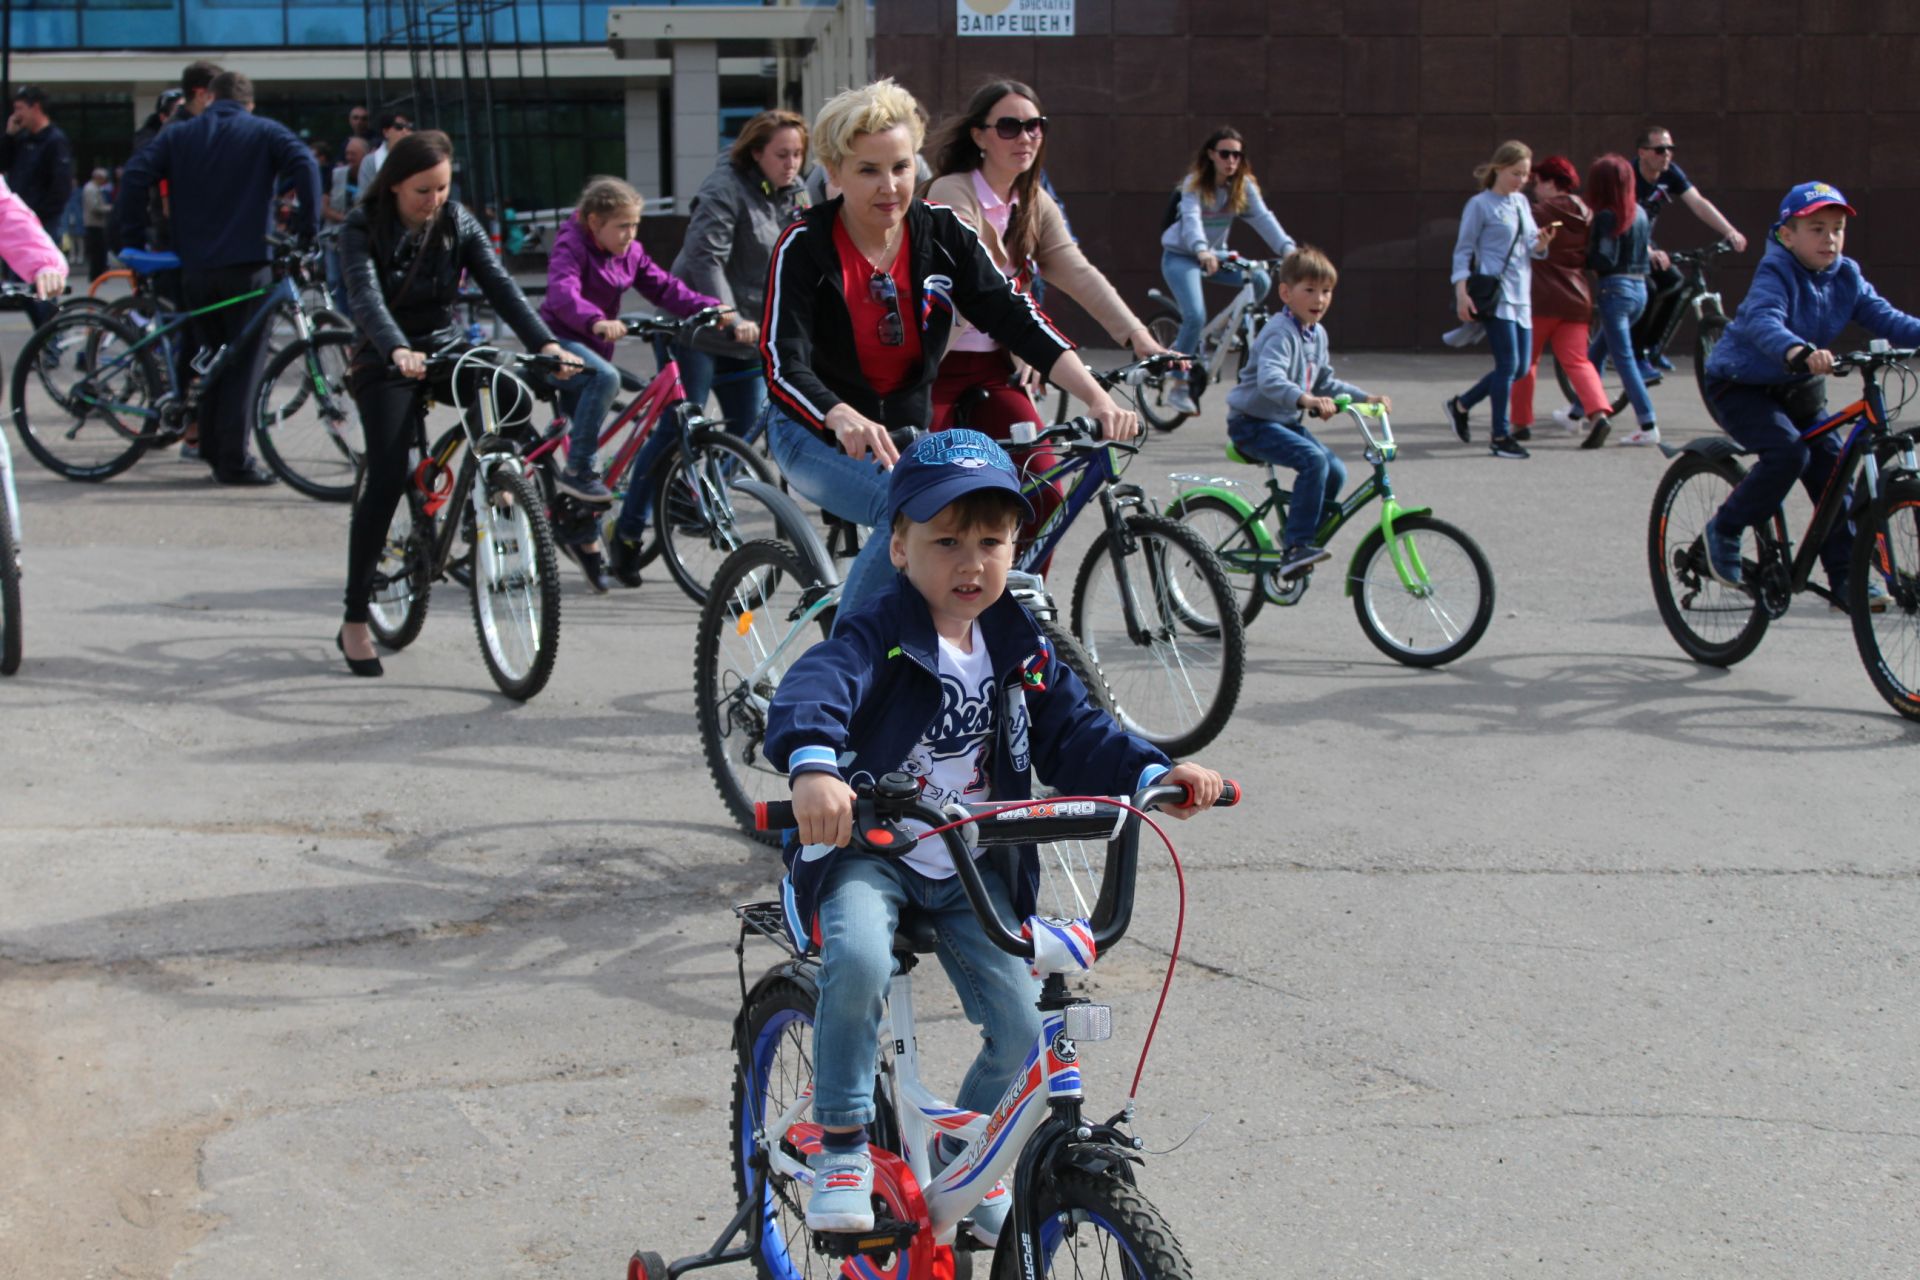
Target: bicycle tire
x=1707, y=332
x=1691, y=600
x=695, y=521
x=1445, y=554
x=1887, y=549
x=743, y=625
x=10, y=620
x=515, y=587
x=1151, y=395
x=1195, y=646
x=304, y=429
x=775, y=1063
x=1097, y=1214
x=54, y=403
x=1224, y=529
x=403, y=582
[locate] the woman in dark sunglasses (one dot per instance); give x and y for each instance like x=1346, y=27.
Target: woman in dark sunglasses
x=1217, y=189
x=861, y=302
x=988, y=161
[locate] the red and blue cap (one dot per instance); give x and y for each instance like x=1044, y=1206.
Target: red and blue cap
x=940, y=467
x=1808, y=196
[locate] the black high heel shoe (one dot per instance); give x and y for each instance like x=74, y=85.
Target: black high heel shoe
x=359, y=666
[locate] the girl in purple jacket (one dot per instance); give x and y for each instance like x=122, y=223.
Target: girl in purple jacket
x=595, y=260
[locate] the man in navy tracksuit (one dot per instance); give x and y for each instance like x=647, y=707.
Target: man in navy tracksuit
x=223, y=168
x=945, y=676
x=1766, y=377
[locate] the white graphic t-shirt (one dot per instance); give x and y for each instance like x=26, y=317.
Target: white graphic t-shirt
x=951, y=761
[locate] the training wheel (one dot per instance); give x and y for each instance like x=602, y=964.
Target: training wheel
x=646, y=1265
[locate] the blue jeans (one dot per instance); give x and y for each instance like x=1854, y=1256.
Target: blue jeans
x=1321, y=473
x=741, y=386
x=1183, y=275
x=1512, y=350
x=1621, y=300
x=586, y=397
x=860, y=904
x=336, y=278
x=846, y=487
x=1768, y=420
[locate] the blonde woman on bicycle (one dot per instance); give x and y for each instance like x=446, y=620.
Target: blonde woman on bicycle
x=1219, y=188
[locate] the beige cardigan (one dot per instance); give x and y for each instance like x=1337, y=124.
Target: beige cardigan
x=1059, y=258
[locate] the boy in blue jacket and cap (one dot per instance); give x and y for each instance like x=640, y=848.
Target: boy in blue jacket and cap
x=1766, y=377
x=947, y=677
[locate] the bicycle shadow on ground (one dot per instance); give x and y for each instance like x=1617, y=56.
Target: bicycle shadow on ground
x=513, y=908
x=1547, y=695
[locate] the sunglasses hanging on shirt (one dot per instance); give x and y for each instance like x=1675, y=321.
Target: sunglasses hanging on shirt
x=893, y=327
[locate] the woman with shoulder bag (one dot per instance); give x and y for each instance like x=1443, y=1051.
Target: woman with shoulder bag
x=1493, y=284
x=403, y=249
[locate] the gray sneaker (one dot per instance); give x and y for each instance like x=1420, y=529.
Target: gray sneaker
x=842, y=1198
x=1723, y=555
x=1180, y=397
x=583, y=485
x=1301, y=557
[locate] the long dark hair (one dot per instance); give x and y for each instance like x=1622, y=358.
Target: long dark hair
x=951, y=149
x=1200, y=177
x=1610, y=188
x=413, y=154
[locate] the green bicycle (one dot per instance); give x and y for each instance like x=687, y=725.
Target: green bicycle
x=1422, y=588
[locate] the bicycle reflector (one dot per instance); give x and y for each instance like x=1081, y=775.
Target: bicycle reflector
x=1089, y=1022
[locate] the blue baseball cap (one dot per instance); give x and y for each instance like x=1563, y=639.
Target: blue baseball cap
x=940, y=467
x=1808, y=196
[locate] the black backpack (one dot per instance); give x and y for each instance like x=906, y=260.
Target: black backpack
x=1172, y=214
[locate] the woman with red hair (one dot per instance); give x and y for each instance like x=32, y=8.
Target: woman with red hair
x=1562, y=301
x=1617, y=256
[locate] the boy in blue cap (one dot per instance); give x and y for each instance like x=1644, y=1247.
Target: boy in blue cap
x=947, y=677
x=1766, y=377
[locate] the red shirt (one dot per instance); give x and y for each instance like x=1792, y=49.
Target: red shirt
x=887, y=368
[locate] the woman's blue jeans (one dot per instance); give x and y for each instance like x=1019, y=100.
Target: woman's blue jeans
x=847, y=487
x=1183, y=275
x=1512, y=349
x=860, y=905
x=586, y=397
x=740, y=385
x=1620, y=302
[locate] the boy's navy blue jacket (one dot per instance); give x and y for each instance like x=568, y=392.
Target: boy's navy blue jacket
x=1789, y=305
x=224, y=167
x=858, y=703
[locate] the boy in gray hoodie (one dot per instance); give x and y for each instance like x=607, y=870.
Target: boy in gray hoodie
x=1286, y=377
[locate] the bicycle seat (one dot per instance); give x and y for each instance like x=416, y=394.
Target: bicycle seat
x=1234, y=455
x=147, y=261
x=915, y=936
x=631, y=382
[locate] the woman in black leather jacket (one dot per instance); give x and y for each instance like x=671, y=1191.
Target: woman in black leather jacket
x=403, y=250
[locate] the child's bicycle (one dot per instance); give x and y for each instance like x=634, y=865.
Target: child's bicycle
x=1422, y=588
x=1719, y=625
x=1230, y=333
x=1076, y=1209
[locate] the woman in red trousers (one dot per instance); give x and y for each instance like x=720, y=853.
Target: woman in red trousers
x=1562, y=301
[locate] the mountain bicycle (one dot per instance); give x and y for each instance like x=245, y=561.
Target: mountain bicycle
x=697, y=519
x=1719, y=625
x=92, y=393
x=474, y=500
x=13, y=297
x=1077, y=1206
x=1229, y=334
x=1421, y=588
x=1699, y=300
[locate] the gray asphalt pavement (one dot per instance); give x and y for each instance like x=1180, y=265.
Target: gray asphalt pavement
x=1570, y=959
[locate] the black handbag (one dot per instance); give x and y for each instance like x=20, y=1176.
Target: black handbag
x=1483, y=291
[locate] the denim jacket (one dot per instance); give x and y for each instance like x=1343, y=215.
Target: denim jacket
x=1621, y=254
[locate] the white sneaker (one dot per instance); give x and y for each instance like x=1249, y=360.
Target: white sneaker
x=1570, y=420
x=1179, y=399
x=1645, y=435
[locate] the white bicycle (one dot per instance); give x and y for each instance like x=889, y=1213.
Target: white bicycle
x=1227, y=336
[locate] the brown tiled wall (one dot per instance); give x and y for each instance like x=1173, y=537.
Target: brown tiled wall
x=1365, y=118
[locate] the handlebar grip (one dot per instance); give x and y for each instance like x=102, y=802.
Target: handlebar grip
x=773, y=815
x=1229, y=795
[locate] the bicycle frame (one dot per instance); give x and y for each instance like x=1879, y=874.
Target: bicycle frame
x=647, y=407
x=464, y=489
x=281, y=291
x=1266, y=553
x=1227, y=320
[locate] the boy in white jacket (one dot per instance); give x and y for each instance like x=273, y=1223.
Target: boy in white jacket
x=1286, y=377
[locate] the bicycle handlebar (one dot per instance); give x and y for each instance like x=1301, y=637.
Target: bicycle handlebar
x=1136, y=372
x=879, y=808
x=1691, y=257
x=1082, y=432
x=1860, y=360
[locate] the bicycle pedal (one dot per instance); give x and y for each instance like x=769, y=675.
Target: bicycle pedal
x=888, y=1236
